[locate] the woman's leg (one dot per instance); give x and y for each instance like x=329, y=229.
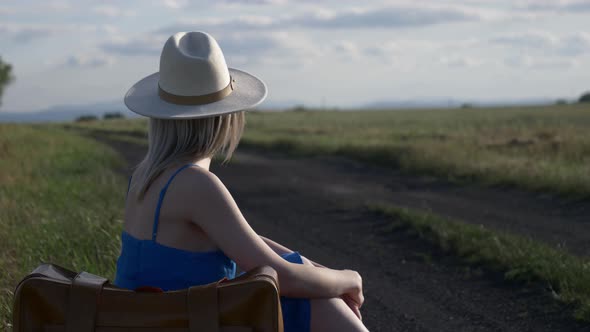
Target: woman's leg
x=333, y=315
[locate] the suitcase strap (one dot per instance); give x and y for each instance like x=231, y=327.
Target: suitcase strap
x=203, y=310
x=83, y=302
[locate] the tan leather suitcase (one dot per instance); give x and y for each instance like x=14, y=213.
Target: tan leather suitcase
x=55, y=299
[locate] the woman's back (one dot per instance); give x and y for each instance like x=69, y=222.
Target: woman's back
x=183, y=258
x=146, y=262
x=175, y=228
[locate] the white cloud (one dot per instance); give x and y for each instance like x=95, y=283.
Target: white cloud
x=112, y=11
x=539, y=63
x=252, y=2
x=384, y=50
x=533, y=39
x=576, y=6
x=147, y=45
x=460, y=61
x=386, y=17
x=273, y=48
x=239, y=23
x=383, y=17
x=174, y=4
x=36, y=8
x=87, y=61
x=180, y=4
x=57, y=5
x=278, y=48
x=24, y=33
x=296, y=48
x=346, y=49
x=573, y=44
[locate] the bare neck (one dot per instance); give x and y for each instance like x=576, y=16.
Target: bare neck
x=203, y=163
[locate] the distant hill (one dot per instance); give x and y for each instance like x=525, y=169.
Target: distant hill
x=64, y=113
x=453, y=103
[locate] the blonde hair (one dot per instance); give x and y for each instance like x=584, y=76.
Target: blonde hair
x=187, y=140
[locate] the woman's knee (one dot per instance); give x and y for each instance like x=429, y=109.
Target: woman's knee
x=333, y=315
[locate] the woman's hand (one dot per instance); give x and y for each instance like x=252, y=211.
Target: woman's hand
x=352, y=305
x=354, y=294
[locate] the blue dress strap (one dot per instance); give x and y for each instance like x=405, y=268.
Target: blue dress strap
x=161, y=199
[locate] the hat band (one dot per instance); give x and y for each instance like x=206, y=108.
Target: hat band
x=197, y=100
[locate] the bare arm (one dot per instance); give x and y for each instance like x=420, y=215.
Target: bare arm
x=276, y=247
x=280, y=249
x=225, y=225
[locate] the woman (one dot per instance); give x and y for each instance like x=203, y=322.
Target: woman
x=182, y=227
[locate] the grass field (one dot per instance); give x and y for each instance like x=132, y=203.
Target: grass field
x=61, y=198
x=536, y=148
x=60, y=202
x=517, y=257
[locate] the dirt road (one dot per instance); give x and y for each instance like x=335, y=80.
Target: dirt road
x=316, y=206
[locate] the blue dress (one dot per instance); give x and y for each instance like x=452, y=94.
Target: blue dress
x=148, y=263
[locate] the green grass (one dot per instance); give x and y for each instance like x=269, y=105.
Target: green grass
x=537, y=148
x=544, y=148
x=518, y=257
x=130, y=127
x=60, y=201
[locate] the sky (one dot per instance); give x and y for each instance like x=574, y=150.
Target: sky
x=316, y=53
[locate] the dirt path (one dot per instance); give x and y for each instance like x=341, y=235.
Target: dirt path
x=544, y=217
x=315, y=206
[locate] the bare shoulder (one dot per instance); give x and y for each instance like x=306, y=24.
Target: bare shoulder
x=197, y=180
x=209, y=205
x=203, y=192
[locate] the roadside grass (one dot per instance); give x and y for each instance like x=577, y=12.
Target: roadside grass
x=519, y=258
x=129, y=127
x=541, y=148
x=126, y=130
x=536, y=148
x=60, y=202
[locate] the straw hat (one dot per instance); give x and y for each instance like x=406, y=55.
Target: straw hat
x=194, y=82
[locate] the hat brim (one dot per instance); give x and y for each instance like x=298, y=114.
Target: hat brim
x=143, y=98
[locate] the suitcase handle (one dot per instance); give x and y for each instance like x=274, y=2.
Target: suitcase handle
x=83, y=302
